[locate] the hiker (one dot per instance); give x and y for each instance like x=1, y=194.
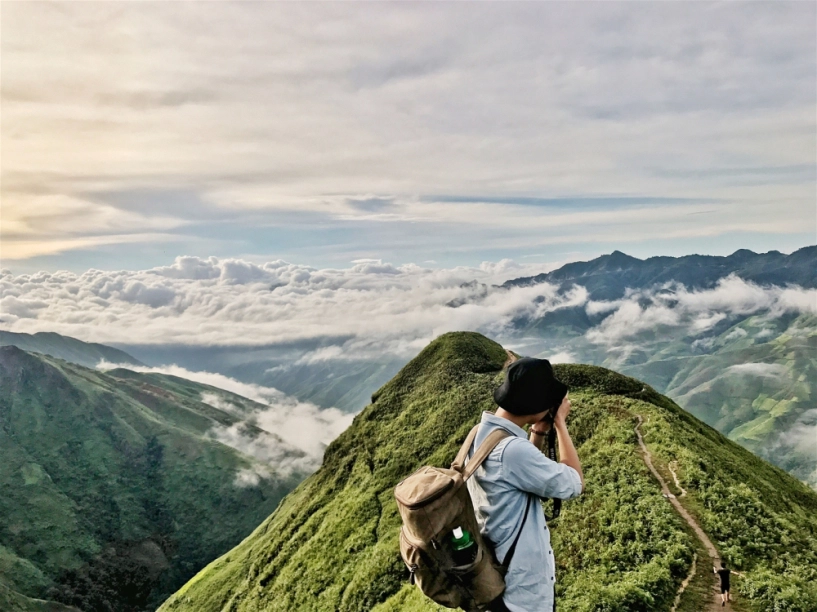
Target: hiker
x=507, y=488
x=724, y=574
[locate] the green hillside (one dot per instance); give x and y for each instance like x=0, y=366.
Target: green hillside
x=754, y=384
x=332, y=543
x=113, y=491
x=87, y=354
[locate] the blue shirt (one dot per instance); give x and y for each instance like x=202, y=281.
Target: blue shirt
x=500, y=489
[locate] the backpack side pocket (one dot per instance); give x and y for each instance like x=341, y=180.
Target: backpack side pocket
x=425, y=573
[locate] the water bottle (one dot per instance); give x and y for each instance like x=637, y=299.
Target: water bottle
x=463, y=546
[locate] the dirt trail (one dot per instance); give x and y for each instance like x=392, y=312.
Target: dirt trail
x=710, y=548
x=675, y=478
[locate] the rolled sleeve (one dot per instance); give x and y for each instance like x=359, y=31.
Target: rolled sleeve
x=527, y=468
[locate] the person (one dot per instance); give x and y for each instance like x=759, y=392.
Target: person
x=507, y=488
x=724, y=573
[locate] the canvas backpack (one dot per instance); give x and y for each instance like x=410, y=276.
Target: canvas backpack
x=432, y=502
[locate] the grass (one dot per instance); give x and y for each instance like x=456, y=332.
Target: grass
x=332, y=543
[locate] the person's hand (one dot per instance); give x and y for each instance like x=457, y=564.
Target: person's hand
x=562, y=412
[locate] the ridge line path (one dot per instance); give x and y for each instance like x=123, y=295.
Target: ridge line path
x=710, y=548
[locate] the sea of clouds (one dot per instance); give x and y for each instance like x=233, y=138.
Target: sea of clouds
x=375, y=308
x=378, y=306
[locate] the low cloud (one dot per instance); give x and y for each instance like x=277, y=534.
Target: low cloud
x=563, y=357
x=766, y=370
x=282, y=434
x=674, y=307
x=378, y=307
x=802, y=436
x=736, y=334
x=800, y=443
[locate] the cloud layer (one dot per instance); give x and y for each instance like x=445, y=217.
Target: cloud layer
x=363, y=312
x=377, y=306
x=673, y=307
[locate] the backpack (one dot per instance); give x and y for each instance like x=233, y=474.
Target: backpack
x=432, y=503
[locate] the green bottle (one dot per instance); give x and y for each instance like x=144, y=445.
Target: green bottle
x=464, y=547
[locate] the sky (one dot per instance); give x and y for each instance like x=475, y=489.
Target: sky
x=440, y=135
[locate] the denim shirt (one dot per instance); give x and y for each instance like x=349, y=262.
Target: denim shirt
x=500, y=490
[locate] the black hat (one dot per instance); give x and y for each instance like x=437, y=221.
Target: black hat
x=530, y=387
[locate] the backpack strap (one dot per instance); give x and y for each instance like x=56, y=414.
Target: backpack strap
x=462, y=455
x=481, y=453
x=506, y=562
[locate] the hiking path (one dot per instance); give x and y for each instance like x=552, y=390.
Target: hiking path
x=715, y=604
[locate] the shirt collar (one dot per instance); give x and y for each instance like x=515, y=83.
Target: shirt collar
x=489, y=418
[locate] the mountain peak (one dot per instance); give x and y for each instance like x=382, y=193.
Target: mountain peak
x=333, y=543
x=744, y=254
x=620, y=256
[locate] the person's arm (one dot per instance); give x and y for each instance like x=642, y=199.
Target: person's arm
x=567, y=452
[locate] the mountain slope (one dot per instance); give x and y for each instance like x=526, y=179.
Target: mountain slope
x=114, y=488
x=332, y=543
x=87, y=354
x=754, y=387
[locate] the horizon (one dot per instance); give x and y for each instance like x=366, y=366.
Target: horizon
x=544, y=267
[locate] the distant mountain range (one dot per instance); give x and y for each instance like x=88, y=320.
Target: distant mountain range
x=332, y=545
x=609, y=276
x=116, y=487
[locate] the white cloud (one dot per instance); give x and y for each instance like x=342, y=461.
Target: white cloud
x=279, y=431
x=563, y=357
x=764, y=333
x=377, y=306
x=765, y=370
x=213, y=399
x=696, y=311
x=365, y=312
x=737, y=334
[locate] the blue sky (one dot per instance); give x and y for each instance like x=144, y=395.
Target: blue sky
x=440, y=134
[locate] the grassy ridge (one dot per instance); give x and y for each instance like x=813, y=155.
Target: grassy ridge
x=111, y=492
x=332, y=544
x=88, y=354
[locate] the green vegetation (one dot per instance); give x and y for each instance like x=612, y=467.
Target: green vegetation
x=11, y=601
x=112, y=493
x=332, y=543
x=754, y=385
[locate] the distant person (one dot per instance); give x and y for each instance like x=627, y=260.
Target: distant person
x=724, y=573
x=507, y=488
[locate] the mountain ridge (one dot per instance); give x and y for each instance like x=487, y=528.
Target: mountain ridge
x=332, y=543
x=87, y=354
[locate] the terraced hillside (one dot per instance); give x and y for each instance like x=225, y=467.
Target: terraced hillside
x=333, y=543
